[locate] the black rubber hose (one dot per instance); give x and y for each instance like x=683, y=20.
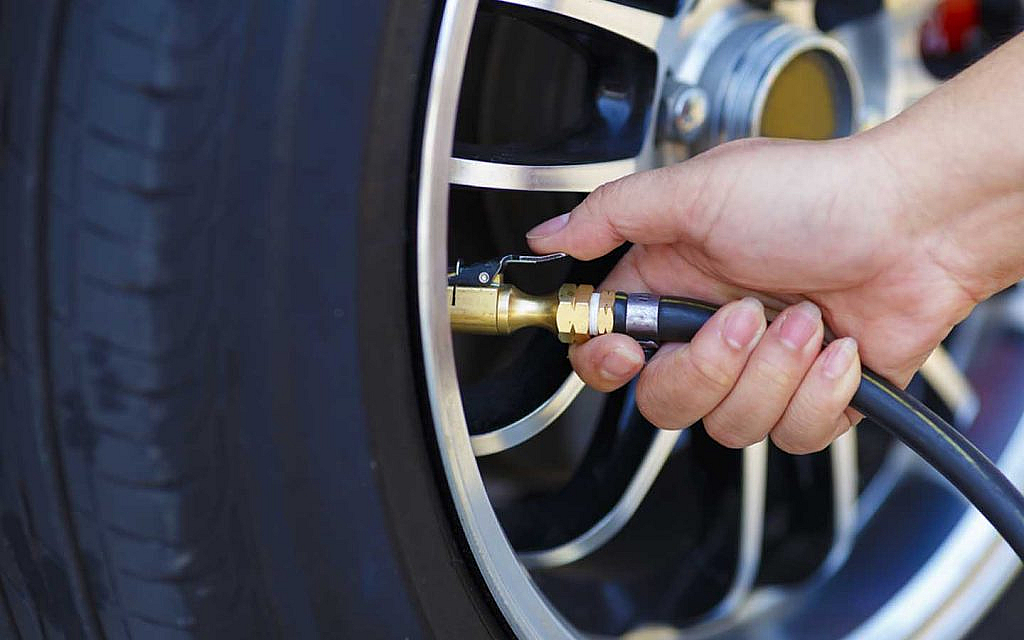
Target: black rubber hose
x=937, y=442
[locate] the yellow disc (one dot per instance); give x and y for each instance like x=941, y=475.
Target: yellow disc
x=800, y=103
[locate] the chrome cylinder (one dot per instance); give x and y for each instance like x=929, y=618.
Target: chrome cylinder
x=767, y=77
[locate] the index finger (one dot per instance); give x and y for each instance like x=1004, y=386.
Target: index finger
x=650, y=207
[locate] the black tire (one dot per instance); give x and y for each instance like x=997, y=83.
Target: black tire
x=210, y=423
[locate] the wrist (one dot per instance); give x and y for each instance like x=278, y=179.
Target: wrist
x=965, y=138
x=946, y=201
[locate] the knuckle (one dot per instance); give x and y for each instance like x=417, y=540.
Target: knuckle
x=783, y=442
x=842, y=424
x=649, y=401
x=654, y=417
x=659, y=403
x=600, y=195
x=800, y=438
x=797, y=447
x=725, y=433
x=599, y=200
x=657, y=415
x=595, y=208
x=774, y=374
x=804, y=411
x=709, y=372
x=590, y=206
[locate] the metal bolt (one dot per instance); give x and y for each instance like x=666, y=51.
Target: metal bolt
x=483, y=277
x=687, y=111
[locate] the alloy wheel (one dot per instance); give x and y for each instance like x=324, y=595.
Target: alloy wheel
x=582, y=517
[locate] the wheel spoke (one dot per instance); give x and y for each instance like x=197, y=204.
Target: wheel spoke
x=526, y=611
x=751, y=537
x=617, y=517
x=638, y=25
x=956, y=392
x=952, y=386
x=582, y=178
x=843, y=454
x=624, y=487
x=531, y=424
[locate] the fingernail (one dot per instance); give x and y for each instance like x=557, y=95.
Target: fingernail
x=548, y=228
x=744, y=324
x=799, y=325
x=840, y=357
x=620, y=362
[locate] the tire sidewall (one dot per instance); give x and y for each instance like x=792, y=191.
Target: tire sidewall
x=350, y=515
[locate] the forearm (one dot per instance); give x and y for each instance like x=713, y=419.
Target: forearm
x=957, y=158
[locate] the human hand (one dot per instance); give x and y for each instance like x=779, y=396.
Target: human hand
x=810, y=229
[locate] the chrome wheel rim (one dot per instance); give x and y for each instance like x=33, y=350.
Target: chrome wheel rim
x=970, y=550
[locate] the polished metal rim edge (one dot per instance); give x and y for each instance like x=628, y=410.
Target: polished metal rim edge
x=617, y=517
x=642, y=27
x=843, y=454
x=526, y=611
x=751, y=540
x=935, y=603
x=582, y=178
x=531, y=424
x=966, y=574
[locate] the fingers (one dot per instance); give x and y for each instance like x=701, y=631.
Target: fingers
x=747, y=382
x=818, y=413
x=601, y=361
x=625, y=275
x=607, y=362
x=646, y=207
x=684, y=382
x=772, y=375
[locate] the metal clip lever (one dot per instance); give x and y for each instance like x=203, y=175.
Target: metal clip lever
x=489, y=272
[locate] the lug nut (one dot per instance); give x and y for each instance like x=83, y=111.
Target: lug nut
x=687, y=108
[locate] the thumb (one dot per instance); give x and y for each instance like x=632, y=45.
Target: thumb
x=651, y=207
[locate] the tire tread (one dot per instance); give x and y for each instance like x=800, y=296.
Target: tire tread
x=142, y=94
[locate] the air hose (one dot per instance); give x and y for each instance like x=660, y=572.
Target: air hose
x=479, y=302
x=896, y=411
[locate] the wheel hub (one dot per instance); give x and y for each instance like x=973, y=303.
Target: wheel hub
x=749, y=73
x=595, y=568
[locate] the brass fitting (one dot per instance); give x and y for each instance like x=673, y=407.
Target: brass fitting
x=573, y=315
x=500, y=309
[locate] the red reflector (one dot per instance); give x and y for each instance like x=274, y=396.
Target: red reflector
x=950, y=27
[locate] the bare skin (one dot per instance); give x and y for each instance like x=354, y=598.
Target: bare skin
x=889, y=238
